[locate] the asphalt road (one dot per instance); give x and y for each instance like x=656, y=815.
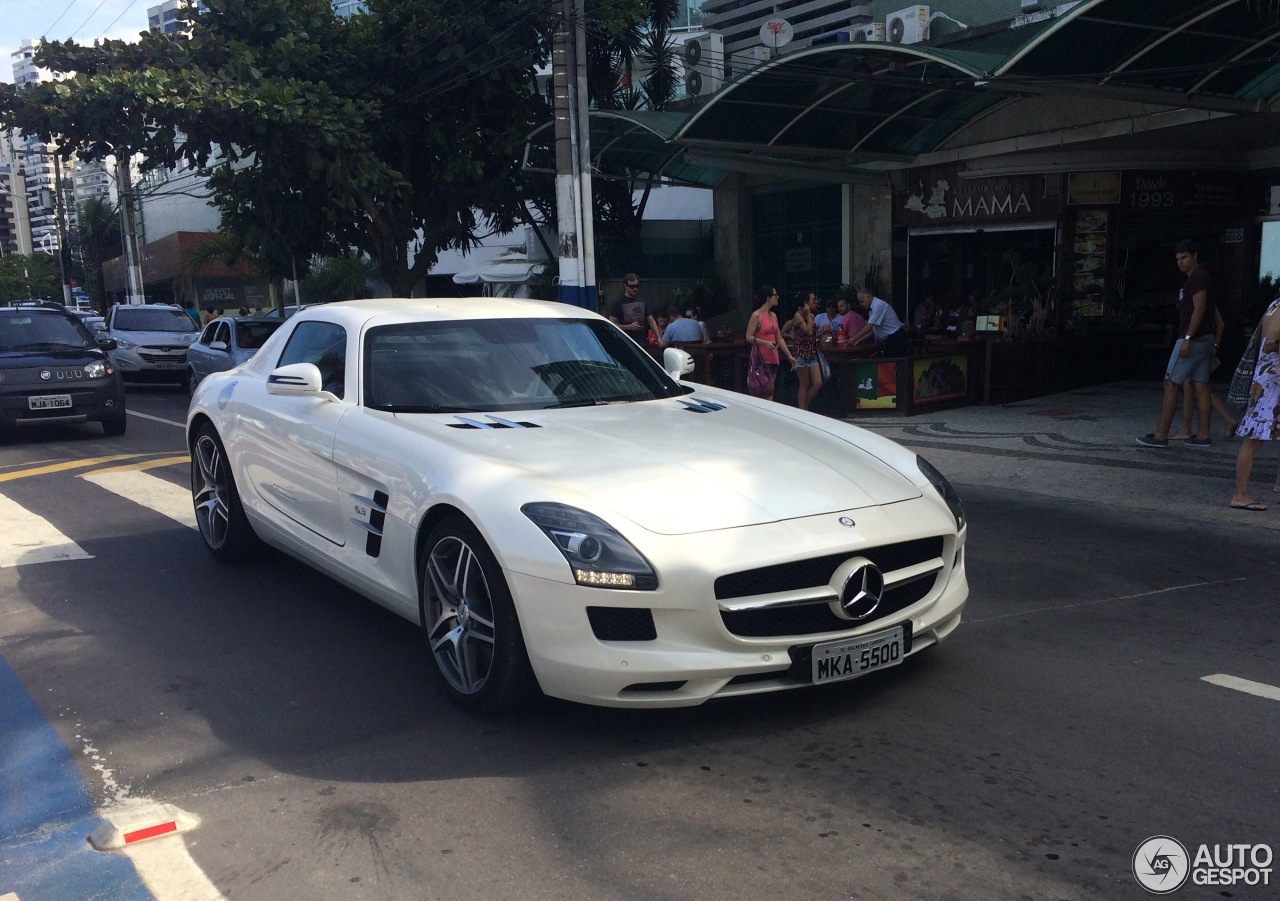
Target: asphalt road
x=1065, y=722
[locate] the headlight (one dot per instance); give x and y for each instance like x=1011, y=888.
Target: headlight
x=939, y=481
x=596, y=553
x=125, y=345
x=97, y=370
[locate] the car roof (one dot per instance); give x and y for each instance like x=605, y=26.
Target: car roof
x=396, y=310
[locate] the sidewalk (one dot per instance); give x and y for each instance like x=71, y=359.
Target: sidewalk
x=1080, y=445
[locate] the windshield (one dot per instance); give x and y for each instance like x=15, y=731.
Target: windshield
x=250, y=335
x=493, y=365
x=41, y=331
x=152, y=319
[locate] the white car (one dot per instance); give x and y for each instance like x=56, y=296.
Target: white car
x=559, y=513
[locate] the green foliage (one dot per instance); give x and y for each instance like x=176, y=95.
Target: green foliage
x=336, y=278
x=318, y=133
x=24, y=276
x=98, y=226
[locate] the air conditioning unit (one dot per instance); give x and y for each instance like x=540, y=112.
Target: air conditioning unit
x=746, y=60
x=907, y=26
x=873, y=32
x=701, y=56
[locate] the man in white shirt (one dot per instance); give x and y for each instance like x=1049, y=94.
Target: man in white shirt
x=884, y=323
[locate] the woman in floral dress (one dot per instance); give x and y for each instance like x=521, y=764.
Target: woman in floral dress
x=1261, y=420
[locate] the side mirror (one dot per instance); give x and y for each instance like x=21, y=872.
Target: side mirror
x=677, y=362
x=295, y=380
x=218, y=345
x=106, y=343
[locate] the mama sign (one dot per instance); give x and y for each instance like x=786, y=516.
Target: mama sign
x=941, y=200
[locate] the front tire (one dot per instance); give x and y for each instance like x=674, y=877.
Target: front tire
x=192, y=380
x=469, y=621
x=223, y=526
x=114, y=428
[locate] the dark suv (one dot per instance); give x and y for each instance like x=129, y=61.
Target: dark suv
x=53, y=370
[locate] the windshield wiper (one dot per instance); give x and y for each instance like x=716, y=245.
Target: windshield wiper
x=46, y=345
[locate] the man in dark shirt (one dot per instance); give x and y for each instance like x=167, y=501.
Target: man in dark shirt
x=632, y=314
x=1192, y=355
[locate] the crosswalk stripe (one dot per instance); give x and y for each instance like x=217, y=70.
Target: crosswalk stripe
x=33, y=539
x=150, y=491
x=63, y=467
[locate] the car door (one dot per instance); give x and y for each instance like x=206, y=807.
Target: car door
x=198, y=354
x=288, y=454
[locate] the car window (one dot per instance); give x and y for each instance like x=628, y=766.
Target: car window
x=323, y=344
x=206, y=337
x=30, y=331
x=250, y=335
x=223, y=334
x=152, y=319
x=498, y=364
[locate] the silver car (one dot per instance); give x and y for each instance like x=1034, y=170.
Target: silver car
x=225, y=343
x=151, y=341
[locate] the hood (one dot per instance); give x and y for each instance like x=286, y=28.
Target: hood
x=673, y=471
x=174, y=339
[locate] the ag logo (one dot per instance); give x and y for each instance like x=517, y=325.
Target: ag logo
x=1161, y=864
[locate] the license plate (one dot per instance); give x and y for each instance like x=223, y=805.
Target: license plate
x=854, y=657
x=168, y=366
x=49, y=402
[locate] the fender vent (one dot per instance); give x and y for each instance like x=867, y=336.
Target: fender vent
x=377, y=519
x=495, y=422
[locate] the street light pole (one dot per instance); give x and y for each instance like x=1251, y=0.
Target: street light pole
x=59, y=216
x=127, y=229
x=573, y=158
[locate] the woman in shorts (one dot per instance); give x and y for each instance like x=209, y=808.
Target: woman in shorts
x=802, y=338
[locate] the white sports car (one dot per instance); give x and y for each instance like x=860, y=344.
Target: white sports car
x=559, y=513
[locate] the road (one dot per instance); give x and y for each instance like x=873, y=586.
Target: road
x=1065, y=722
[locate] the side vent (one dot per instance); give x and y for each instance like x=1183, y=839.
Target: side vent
x=494, y=422
x=377, y=507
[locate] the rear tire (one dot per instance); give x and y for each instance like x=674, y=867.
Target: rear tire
x=469, y=622
x=220, y=517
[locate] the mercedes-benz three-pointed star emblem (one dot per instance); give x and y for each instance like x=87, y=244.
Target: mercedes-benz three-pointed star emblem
x=862, y=591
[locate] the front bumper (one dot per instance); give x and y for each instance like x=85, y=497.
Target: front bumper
x=158, y=364
x=682, y=645
x=92, y=400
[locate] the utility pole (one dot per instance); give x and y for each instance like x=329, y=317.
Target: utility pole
x=573, y=158
x=127, y=228
x=59, y=216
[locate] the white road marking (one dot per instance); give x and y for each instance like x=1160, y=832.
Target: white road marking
x=1261, y=689
x=165, y=867
x=33, y=539
x=181, y=425
x=150, y=491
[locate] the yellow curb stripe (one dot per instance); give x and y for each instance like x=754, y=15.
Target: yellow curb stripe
x=146, y=464
x=63, y=467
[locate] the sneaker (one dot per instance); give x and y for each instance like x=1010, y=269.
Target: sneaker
x=1198, y=442
x=1151, y=440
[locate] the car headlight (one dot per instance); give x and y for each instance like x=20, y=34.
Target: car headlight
x=123, y=344
x=597, y=554
x=97, y=370
x=939, y=481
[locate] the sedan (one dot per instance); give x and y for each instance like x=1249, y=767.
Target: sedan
x=560, y=514
x=226, y=343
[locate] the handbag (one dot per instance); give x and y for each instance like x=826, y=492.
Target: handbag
x=758, y=378
x=1242, y=379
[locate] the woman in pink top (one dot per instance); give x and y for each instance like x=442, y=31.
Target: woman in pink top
x=763, y=332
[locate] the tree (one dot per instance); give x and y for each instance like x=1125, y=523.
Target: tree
x=98, y=225
x=318, y=133
x=24, y=276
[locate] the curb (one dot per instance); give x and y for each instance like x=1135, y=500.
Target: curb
x=124, y=826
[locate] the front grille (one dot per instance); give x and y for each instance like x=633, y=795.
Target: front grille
x=813, y=619
x=813, y=573
x=622, y=623
x=155, y=356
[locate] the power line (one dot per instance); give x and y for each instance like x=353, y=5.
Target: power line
x=50, y=29
x=116, y=19
x=91, y=15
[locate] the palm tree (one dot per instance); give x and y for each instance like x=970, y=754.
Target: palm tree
x=98, y=227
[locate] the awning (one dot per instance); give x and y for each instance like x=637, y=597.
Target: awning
x=501, y=272
x=842, y=111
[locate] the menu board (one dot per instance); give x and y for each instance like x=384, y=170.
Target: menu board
x=1089, y=259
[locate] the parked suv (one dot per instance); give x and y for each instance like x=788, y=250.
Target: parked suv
x=151, y=341
x=53, y=370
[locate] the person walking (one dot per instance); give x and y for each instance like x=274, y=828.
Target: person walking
x=1192, y=355
x=631, y=314
x=1261, y=421
x=765, y=336
x=884, y=323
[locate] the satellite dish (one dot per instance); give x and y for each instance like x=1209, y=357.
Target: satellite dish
x=776, y=33
x=693, y=51
x=693, y=84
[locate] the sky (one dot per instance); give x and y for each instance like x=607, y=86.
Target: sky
x=84, y=20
